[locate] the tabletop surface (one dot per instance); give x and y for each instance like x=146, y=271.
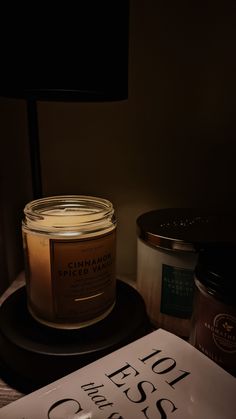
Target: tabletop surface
x=7, y=393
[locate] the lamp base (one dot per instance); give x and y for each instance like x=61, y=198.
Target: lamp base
x=33, y=355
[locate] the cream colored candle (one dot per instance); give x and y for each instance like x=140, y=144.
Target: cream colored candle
x=70, y=248
x=166, y=258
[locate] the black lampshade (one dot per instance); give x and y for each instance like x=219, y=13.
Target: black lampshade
x=83, y=50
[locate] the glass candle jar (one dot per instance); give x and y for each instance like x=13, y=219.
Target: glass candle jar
x=214, y=309
x=70, y=251
x=166, y=259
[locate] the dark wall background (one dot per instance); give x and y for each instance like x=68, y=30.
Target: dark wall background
x=170, y=144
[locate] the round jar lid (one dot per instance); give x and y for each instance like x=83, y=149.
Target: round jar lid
x=216, y=270
x=185, y=229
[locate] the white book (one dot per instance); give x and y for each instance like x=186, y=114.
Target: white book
x=159, y=376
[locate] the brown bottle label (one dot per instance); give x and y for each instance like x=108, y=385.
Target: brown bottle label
x=215, y=330
x=83, y=277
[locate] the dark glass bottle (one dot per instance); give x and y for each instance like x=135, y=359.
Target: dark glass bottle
x=214, y=310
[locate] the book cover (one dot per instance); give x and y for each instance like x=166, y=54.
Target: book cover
x=159, y=376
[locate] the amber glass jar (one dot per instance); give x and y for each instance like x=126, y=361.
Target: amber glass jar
x=214, y=309
x=70, y=247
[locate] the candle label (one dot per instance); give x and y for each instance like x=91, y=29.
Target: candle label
x=177, y=291
x=83, y=277
x=214, y=331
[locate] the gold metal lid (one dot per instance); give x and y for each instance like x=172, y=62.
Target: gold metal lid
x=186, y=229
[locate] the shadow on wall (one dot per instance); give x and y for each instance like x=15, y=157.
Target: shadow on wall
x=171, y=144
x=15, y=187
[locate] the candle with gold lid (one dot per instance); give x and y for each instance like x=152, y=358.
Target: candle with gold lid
x=70, y=245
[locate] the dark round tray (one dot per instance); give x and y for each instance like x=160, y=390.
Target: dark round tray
x=33, y=355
